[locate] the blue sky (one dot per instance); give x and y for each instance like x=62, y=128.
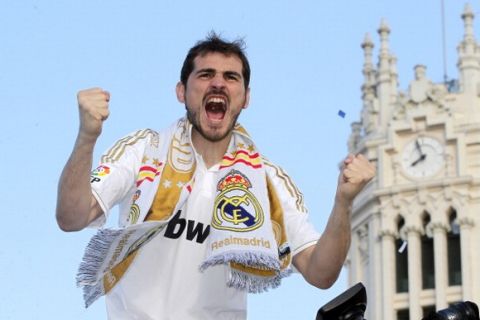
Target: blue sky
x=306, y=65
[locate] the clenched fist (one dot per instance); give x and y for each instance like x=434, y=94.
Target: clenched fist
x=356, y=172
x=93, y=109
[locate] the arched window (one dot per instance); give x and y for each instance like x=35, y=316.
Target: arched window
x=401, y=260
x=454, y=251
x=428, y=262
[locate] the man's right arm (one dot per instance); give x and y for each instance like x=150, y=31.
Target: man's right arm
x=76, y=205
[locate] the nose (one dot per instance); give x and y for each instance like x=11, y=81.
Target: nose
x=218, y=82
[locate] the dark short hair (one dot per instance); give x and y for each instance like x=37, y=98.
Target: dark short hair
x=214, y=43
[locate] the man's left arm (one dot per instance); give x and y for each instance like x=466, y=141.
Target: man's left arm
x=321, y=263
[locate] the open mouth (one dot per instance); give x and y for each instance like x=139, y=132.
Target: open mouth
x=216, y=107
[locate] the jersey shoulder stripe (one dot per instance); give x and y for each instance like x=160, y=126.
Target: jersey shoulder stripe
x=288, y=183
x=118, y=149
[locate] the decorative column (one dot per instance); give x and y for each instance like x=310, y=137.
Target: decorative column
x=355, y=137
x=354, y=261
x=375, y=267
x=468, y=55
x=369, y=110
x=384, y=77
x=393, y=78
x=363, y=249
x=414, y=271
x=466, y=224
x=368, y=68
x=439, y=231
x=388, y=274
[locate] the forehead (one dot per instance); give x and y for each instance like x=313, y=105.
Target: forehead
x=218, y=61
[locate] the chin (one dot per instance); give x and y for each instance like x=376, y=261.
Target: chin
x=215, y=136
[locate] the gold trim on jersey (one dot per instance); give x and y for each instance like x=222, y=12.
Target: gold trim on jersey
x=118, y=149
x=289, y=185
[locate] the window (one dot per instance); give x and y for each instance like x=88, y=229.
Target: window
x=454, y=251
x=401, y=262
x=428, y=261
x=427, y=310
x=403, y=314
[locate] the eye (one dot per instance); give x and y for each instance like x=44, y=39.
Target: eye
x=205, y=75
x=232, y=76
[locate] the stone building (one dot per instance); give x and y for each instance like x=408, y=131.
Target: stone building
x=416, y=227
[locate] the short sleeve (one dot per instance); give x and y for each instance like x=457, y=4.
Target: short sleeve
x=114, y=179
x=300, y=231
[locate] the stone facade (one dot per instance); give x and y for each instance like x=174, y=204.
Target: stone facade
x=426, y=146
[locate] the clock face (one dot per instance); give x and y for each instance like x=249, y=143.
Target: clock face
x=423, y=157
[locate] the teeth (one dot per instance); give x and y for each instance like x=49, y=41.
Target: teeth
x=216, y=100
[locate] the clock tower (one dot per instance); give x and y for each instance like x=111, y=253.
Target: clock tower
x=416, y=227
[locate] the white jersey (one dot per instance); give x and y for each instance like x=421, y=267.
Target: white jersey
x=164, y=281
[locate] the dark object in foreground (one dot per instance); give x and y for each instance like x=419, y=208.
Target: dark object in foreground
x=350, y=305
x=459, y=311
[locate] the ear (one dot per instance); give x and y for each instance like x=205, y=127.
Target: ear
x=247, y=99
x=180, y=90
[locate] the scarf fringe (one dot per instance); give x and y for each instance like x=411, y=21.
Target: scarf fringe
x=251, y=259
x=248, y=281
x=95, y=255
x=92, y=293
x=255, y=284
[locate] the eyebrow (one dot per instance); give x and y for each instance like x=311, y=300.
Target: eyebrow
x=211, y=70
x=208, y=70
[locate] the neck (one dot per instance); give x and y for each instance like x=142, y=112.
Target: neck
x=211, y=151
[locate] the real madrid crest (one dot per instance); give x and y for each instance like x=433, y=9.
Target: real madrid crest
x=236, y=208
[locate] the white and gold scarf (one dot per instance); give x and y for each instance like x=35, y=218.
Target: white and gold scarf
x=247, y=229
